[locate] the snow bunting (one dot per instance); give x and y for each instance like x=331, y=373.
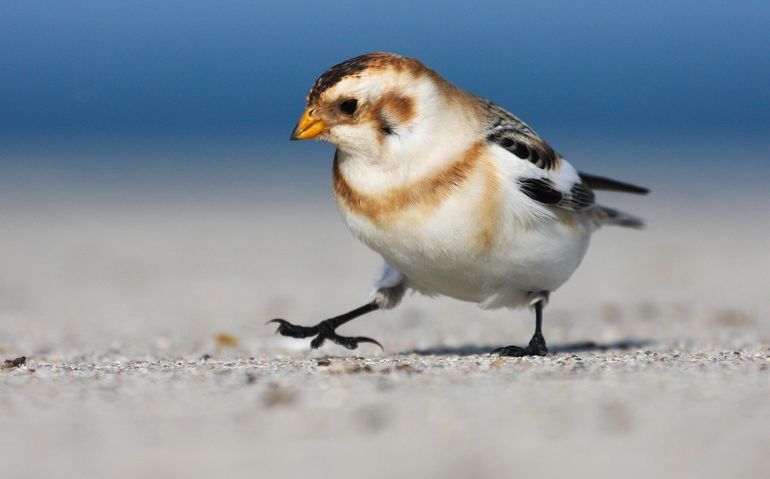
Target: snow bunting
x=460, y=197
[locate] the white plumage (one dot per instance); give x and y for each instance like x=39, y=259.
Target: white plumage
x=457, y=195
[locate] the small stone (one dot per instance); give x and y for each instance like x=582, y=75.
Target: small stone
x=277, y=396
x=14, y=363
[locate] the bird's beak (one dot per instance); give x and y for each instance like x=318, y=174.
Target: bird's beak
x=307, y=127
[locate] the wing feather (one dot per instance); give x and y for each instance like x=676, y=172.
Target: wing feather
x=544, y=191
x=512, y=134
x=554, y=182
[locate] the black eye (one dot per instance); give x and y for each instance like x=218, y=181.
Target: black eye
x=348, y=107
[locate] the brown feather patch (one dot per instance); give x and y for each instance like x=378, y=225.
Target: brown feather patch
x=391, y=111
x=423, y=195
x=395, y=106
x=489, y=211
x=357, y=65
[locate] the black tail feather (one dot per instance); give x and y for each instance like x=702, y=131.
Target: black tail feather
x=601, y=183
x=611, y=216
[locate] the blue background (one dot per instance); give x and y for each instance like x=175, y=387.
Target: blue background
x=231, y=77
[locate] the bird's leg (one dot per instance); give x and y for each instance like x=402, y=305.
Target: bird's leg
x=536, y=346
x=326, y=329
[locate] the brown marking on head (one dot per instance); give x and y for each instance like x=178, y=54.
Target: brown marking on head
x=488, y=210
x=391, y=110
x=396, y=106
x=357, y=65
x=423, y=195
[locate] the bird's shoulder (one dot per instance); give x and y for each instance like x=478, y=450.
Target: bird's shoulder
x=541, y=173
x=506, y=130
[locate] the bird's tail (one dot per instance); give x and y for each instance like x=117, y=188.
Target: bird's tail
x=611, y=216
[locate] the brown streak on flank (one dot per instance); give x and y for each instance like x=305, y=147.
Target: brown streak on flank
x=488, y=210
x=567, y=218
x=426, y=193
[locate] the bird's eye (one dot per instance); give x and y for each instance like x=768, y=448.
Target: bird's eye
x=348, y=107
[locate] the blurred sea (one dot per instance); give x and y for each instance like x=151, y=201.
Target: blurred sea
x=689, y=168
x=179, y=103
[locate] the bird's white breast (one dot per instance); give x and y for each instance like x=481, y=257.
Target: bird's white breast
x=476, y=239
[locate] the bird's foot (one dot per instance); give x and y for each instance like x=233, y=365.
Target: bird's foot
x=322, y=331
x=536, y=347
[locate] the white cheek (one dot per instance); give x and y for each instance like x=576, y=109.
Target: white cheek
x=355, y=139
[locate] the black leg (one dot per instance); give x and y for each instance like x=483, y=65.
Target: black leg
x=326, y=329
x=536, y=346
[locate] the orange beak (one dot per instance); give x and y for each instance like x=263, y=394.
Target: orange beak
x=307, y=127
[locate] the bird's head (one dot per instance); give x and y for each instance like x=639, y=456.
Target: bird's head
x=373, y=104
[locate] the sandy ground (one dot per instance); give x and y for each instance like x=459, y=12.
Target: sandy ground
x=660, y=368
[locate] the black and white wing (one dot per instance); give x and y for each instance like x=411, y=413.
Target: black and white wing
x=544, y=175
x=578, y=198
x=512, y=134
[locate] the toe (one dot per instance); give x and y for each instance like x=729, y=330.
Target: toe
x=322, y=331
x=510, y=351
x=317, y=342
x=353, y=342
x=285, y=328
x=518, y=352
x=364, y=339
x=537, y=346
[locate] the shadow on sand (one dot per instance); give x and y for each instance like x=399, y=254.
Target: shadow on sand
x=586, y=346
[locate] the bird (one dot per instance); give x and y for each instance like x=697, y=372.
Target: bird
x=460, y=197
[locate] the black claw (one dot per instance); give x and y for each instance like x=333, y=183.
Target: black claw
x=512, y=352
x=317, y=342
x=344, y=341
x=352, y=343
x=322, y=331
x=285, y=328
x=363, y=339
x=536, y=347
x=500, y=351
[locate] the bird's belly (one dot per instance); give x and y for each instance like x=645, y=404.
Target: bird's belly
x=502, y=276
x=453, y=253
